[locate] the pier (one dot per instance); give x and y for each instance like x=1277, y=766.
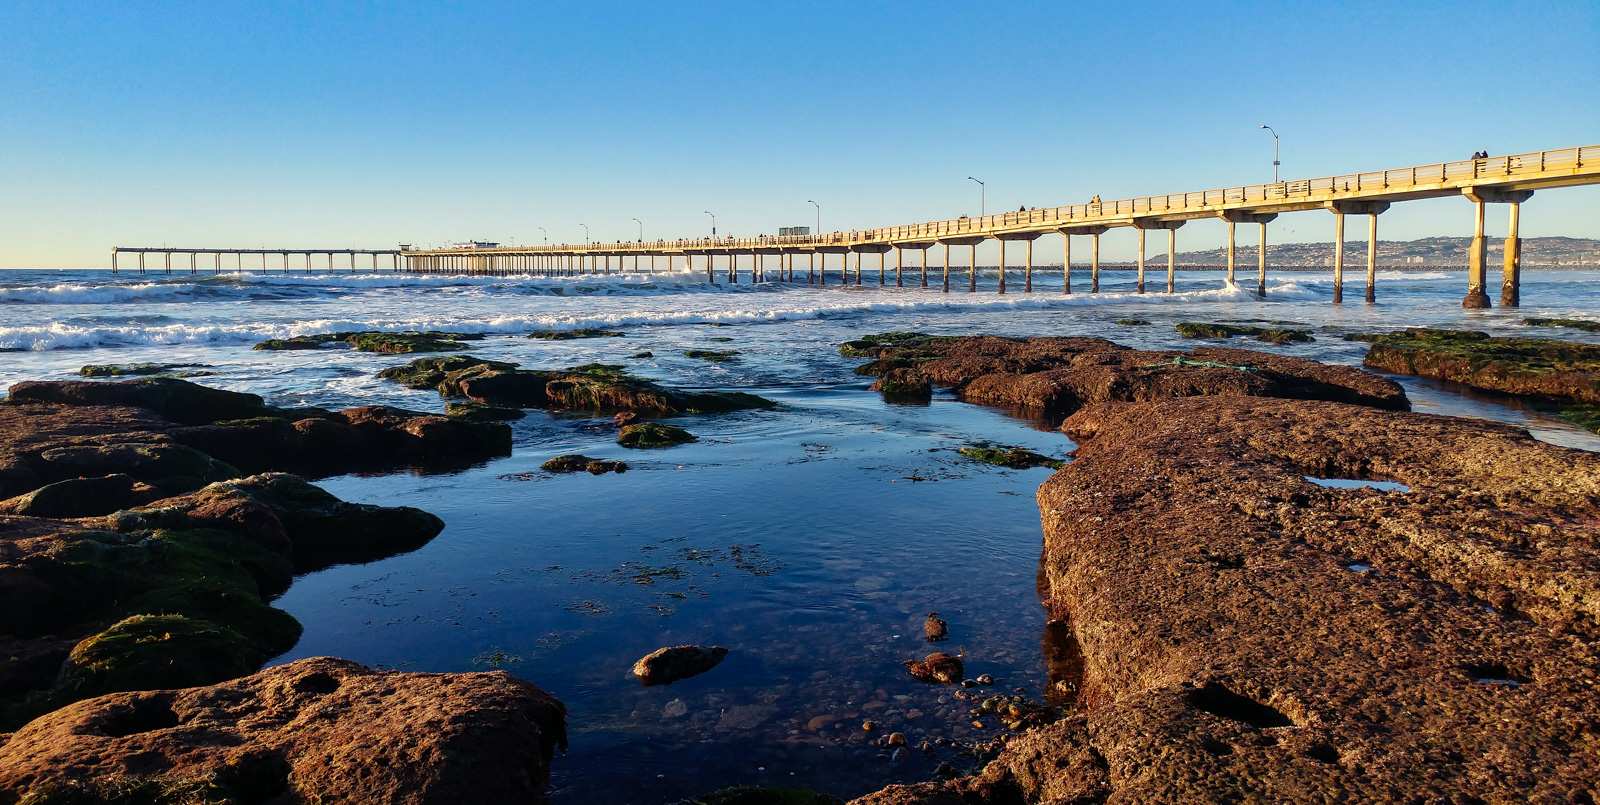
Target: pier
x=1498, y=180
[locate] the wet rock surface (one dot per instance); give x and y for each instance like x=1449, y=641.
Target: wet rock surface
x=134, y=369
x=598, y=388
x=1270, y=335
x=178, y=436
x=131, y=556
x=372, y=341
x=667, y=665
x=1017, y=458
x=1238, y=631
x=570, y=335
x=581, y=463
x=316, y=730
x=1053, y=377
x=938, y=667
x=1533, y=367
x=1587, y=325
x=712, y=355
x=653, y=435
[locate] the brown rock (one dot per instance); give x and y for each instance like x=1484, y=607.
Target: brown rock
x=939, y=667
x=667, y=665
x=935, y=628
x=1053, y=377
x=82, y=497
x=320, y=730
x=1532, y=367
x=1243, y=633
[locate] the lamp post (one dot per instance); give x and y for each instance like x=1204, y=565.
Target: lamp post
x=585, y=232
x=641, y=229
x=1274, y=152
x=819, y=218
x=546, y=235
x=983, y=196
x=713, y=224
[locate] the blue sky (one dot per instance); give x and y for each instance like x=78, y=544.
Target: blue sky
x=350, y=124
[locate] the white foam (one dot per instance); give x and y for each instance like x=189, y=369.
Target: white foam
x=713, y=305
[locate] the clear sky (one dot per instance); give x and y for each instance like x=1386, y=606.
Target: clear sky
x=348, y=124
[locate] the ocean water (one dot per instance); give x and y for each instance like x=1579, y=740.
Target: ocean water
x=811, y=540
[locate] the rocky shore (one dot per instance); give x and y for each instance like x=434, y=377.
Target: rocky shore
x=1265, y=578
x=1247, y=621
x=143, y=535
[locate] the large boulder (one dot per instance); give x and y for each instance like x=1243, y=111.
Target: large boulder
x=177, y=400
x=1532, y=367
x=1052, y=377
x=316, y=730
x=1250, y=623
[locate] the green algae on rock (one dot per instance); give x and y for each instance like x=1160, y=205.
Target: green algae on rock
x=1017, y=458
x=904, y=385
x=473, y=412
x=1534, y=367
x=868, y=346
x=713, y=355
x=144, y=652
x=597, y=387
x=569, y=335
x=1587, y=325
x=1131, y=322
x=1584, y=416
x=649, y=435
x=1270, y=335
x=132, y=369
x=576, y=462
x=374, y=341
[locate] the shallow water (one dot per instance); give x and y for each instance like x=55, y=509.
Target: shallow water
x=812, y=540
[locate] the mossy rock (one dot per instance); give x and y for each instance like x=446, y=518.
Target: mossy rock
x=1576, y=324
x=904, y=385
x=427, y=373
x=868, y=346
x=145, y=652
x=401, y=343
x=133, y=369
x=1131, y=322
x=1270, y=335
x=570, y=335
x=758, y=795
x=1584, y=416
x=1532, y=367
x=1017, y=458
x=472, y=412
x=650, y=435
x=713, y=355
x=373, y=341
x=720, y=339
x=576, y=462
x=643, y=355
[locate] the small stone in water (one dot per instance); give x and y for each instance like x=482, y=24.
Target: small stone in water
x=897, y=739
x=977, y=724
x=869, y=725
x=897, y=754
x=969, y=683
x=675, y=709
x=985, y=679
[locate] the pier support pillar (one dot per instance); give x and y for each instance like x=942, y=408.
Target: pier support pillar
x=899, y=267
x=1027, y=272
x=858, y=269
x=1172, y=260
x=1339, y=209
x=947, y=268
x=1248, y=217
x=880, y=269
x=1141, y=261
x=1511, y=275
x=972, y=271
x=1002, y=287
x=811, y=268
x=1066, y=263
x=1478, y=256
x=924, y=251
x=1094, y=264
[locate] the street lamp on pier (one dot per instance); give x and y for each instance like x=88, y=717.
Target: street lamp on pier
x=983, y=196
x=641, y=229
x=819, y=217
x=585, y=233
x=546, y=235
x=713, y=224
x=1274, y=152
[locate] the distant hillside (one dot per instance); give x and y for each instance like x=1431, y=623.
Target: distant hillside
x=1441, y=251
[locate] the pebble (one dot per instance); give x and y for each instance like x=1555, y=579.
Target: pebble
x=897, y=739
x=985, y=679
x=676, y=708
x=820, y=722
x=977, y=724
x=869, y=725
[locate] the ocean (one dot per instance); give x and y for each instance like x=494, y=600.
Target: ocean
x=811, y=539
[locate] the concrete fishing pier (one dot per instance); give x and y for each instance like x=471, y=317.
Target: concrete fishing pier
x=1499, y=180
